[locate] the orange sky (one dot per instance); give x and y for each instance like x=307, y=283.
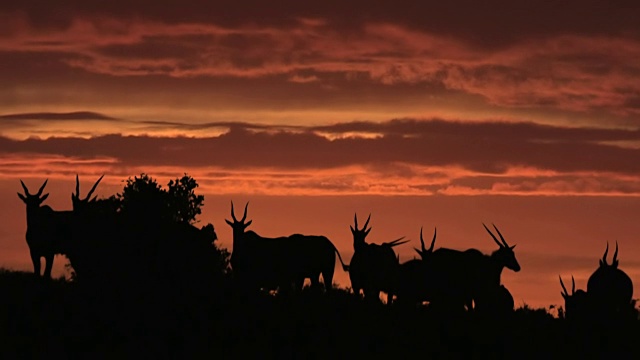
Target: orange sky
x=446, y=115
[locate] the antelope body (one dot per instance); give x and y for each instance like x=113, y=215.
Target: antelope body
x=279, y=263
x=457, y=279
x=48, y=231
x=577, y=305
x=411, y=284
x=610, y=289
x=374, y=267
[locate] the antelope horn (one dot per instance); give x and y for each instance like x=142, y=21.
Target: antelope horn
x=604, y=257
x=355, y=220
x=77, y=187
x=563, y=288
x=422, y=241
x=26, y=191
x=501, y=237
x=394, y=241
x=573, y=285
x=433, y=241
x=615, y=254
x=493, y=236
x=366, y=223
x=233, y=215
x=245, y=212
x=399, y=243
x=42, y=188
x=94, y=187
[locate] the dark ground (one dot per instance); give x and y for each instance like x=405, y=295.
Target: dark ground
x=59, y=319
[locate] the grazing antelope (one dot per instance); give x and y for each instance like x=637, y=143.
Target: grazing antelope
x=457, y=279
x=610, y=289
x=277, y=263
x=48, y=231
x=411, y=284
x=576, y=304
x=373, y=267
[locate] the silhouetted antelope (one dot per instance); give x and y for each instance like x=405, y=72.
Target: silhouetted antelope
x=610, y=289
x=373, y=267
x=576, y=304
x=411, y=285
x=456, y=278
x=48, y=231
x=271, y=263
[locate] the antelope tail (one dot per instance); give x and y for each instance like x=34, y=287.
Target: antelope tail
x=345, y=267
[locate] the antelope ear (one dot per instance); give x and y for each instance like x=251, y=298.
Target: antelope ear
x=512, y=247
x=22, y=197
x=228, y=222
x=44, y=197
x=351, y=227
x=249, y=223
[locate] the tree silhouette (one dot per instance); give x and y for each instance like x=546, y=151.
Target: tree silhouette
x=184, y=204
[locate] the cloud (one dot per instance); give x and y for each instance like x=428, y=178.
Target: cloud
x=578, y=70
x=416, y=157
x=76, y=115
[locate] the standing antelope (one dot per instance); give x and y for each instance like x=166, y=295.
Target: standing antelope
x=610, y=289
x=271, y=263
x=373, y=267
x=411, y=284
x=48, y=231
x=457, y=279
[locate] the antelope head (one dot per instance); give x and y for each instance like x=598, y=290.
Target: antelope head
x=359, y=234
x=33, y=201
x=80, y=204
x=575, y=301
x=505, y=253
x=424, y=252
x=614, y=262
x=238, y=226
x=565, y=294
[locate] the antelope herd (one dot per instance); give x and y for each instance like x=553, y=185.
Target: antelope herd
x=448, y=279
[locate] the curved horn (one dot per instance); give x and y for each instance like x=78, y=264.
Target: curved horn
x=562, y=284
x=615, y=254
x=233, y=215
x=94, y=187
x=493, y=236
x=501, y=237
x=42, y=188
x=26, y=191
x=604, y=257
x=573, y=285
x=366, y=223
x=244, y=217
x=422, y=241
x=433, y=241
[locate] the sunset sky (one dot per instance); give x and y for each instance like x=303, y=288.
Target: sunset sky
x=451, y=114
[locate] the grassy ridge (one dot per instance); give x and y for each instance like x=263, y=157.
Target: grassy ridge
x=41, y=318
